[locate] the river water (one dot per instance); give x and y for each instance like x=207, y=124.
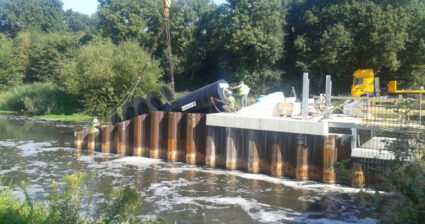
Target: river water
x=40, y=152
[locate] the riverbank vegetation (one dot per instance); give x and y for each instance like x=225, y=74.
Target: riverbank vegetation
x=65, y=205
x=91, y=61
x=72, y=117
x=405, y=178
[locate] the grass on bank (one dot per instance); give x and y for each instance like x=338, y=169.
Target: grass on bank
x=73, y=117
x=7, y=112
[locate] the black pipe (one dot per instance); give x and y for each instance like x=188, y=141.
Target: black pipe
x=199, y=101
x=140, y=106
x=153, y=102
x=115, y=119
x=128, y=111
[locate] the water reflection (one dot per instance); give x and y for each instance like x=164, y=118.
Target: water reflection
x=41, y=152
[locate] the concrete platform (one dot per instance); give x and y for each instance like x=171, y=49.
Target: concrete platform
x=277, y=124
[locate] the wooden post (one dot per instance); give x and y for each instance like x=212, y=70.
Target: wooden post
x=138, y=135
x=329, y=159
x=301, y=172
x=107, y=138
x=210, y=150
x=230, y=149
x=253, y=145
x=276, y=157
x=172, y=137
x=190, y=141
x=357, y=176
x=154, y=135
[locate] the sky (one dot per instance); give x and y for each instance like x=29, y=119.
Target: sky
x=90, y=6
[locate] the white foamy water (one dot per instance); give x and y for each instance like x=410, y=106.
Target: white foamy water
x=167, y=195
x=174, y=192
x=301, y=185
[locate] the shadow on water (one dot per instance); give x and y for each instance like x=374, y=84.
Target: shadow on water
x=41, y=152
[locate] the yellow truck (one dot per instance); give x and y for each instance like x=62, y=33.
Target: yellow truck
x=364, y=83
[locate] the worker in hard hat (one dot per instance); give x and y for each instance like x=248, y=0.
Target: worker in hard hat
x=230, y=101
x=95, y=125
x=243, y=91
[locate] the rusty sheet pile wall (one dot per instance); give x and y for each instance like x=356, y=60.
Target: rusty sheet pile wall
x=182, y=137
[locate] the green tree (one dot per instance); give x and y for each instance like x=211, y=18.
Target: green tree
x=253, y=39
x=10, y=72
x=22, y=15
x=189, y=51
x=123, y=19
x=254, y=33
x=338, y=37
x=22, y=45
x=101, y=74
x=45, y=54
x=412, y=58
x=77, y=22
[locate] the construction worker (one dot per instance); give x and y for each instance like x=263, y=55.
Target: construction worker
x=243, y=91
x=95, y=125
x=230, y=106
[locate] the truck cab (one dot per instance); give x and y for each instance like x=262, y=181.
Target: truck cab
x=363, y=82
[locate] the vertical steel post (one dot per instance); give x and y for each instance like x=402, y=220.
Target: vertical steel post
x=306, y=90
x=121, y=132
x=420, y=105
x=172, y=137
x=190, y=141
x=357, y=176
x=276, y=157
x=253, y=143
x=154, y=135
x=230, y=149
x=301, y=172
x=91, y=145
x=377, y=88
x=329, y=158
x=138, y=135
x=106, y=138
x=210, y=150
x=79, y=138
x=353, y=138
x=328, y=91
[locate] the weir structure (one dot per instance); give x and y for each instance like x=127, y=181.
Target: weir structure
x=300, y=149
x=351, y=148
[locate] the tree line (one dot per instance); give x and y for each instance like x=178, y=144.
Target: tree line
x=267, y=43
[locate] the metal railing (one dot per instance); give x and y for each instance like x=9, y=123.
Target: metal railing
x=391, y=129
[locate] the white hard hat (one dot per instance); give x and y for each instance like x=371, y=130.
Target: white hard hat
x=95, y=120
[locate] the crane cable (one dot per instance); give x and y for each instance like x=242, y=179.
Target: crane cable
x=170, y=53
x=165, y=24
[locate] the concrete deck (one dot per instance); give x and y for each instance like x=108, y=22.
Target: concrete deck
x=277, y=124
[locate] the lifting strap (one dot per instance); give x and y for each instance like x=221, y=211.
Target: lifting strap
x=165, y=25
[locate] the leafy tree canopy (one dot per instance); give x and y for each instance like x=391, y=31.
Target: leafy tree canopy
x=18, y=15
x=101, y=74
x=77, y=22
x=10, y=72
x=338, y=37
